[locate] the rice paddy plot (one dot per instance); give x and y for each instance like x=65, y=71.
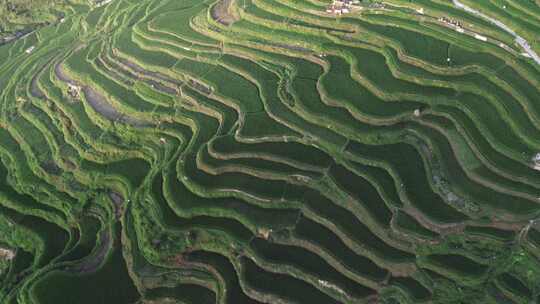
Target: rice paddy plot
x=270, y=151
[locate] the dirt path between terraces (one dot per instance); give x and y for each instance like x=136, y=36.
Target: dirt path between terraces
x=118, y=201
x=34, y=87
x=98, y=101
x=93, y=262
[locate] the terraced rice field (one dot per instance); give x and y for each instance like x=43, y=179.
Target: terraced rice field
x=270, y=151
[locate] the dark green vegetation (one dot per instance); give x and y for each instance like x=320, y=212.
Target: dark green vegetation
x=19, y=17
x=266, y=151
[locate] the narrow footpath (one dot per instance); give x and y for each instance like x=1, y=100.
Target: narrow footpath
x=520, y=40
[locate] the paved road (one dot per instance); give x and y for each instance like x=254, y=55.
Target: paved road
x=520, y=40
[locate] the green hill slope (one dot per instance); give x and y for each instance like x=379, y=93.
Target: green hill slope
x=269, y=151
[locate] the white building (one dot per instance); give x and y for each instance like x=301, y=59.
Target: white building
x=536, y=161
x=480, y=37
x=7, y=254
x=102, y=3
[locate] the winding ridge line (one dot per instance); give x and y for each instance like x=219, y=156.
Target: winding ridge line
x=520, y=40
x=288, y=154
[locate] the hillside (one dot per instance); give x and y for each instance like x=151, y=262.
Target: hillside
x=271, y=151
x=21, y=17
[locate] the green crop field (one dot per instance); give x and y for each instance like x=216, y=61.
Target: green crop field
x=269, y=151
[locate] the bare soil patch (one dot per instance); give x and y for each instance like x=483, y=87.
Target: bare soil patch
x=222, y=14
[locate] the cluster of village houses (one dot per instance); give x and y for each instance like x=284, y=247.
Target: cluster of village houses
x=339, y=7
x=102, y=3
x=459, y=27
x=74, y=91
x=450, y=22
